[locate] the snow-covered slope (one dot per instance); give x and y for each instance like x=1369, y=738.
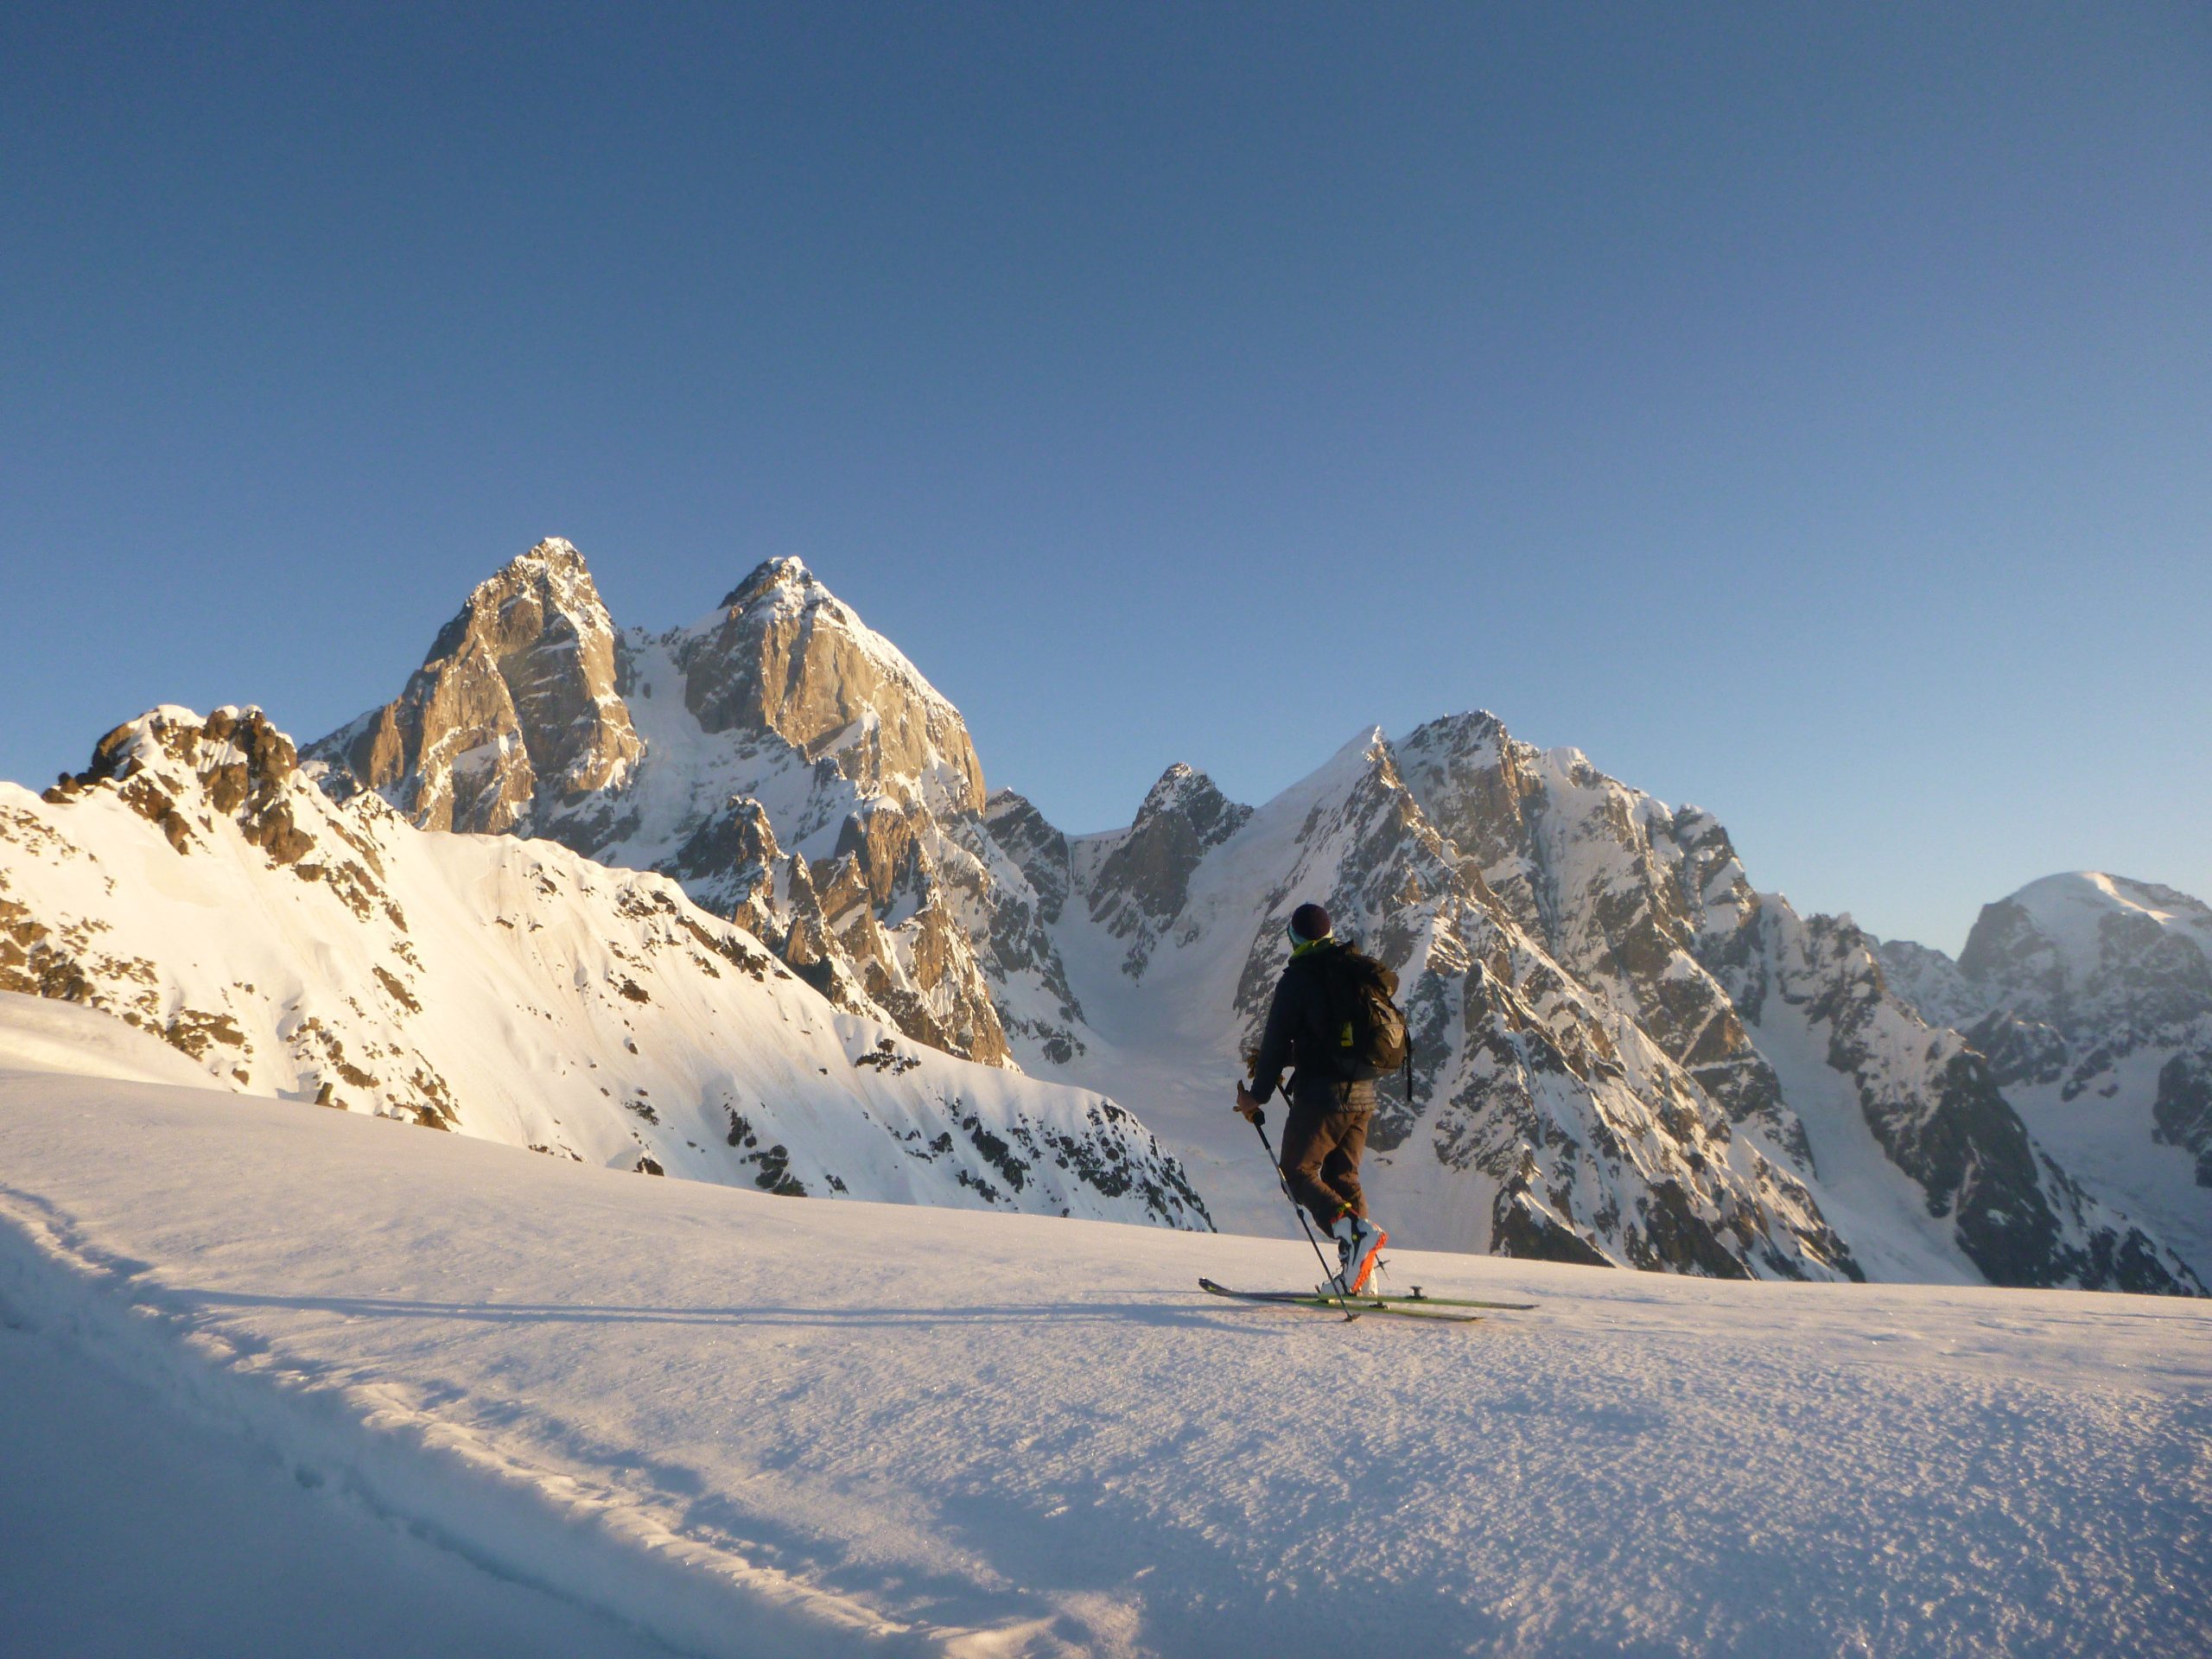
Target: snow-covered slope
x=131, y=1525
x=2092, y=996
x=747, y=1427
x=195, y=883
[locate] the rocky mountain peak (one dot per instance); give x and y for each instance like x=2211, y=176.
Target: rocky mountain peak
x=1037, y=851
x=515, y=707
x=1143, y=883
x=1473, y=780
x=170, y=732
x=785, y=653
x=1189, y=795
x=769, y=574
x=2087, y=946
x=786, y=763
x=2091, y=996
x=1472, y=734
x=177, y=770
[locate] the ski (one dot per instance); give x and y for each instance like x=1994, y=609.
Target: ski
x=1368, y=1298
x=1418, y=1300
x=1352, y=1307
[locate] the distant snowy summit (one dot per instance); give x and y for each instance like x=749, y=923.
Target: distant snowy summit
x=1625, y=1053
x=2092, y=995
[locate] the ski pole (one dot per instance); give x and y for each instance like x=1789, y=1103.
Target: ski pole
x=1259, y=1123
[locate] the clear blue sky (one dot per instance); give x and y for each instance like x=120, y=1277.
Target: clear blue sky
x=1805, y=410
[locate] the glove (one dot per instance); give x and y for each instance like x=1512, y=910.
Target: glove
x=1248, y=1103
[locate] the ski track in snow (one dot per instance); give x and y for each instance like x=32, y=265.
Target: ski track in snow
x=750, y=1425
x=129, y=1528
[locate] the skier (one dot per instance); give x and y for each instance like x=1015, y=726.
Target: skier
x=1320, y=1021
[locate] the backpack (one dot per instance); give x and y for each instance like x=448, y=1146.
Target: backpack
x=1371, y=1031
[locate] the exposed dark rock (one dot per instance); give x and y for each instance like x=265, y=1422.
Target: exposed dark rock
x=2183, y=1111
x=1521, y=1230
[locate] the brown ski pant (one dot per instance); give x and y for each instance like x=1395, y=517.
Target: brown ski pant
x=1322, y=1140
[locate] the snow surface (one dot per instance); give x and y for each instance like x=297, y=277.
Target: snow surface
x=1880, y=1209
x=740, y=1424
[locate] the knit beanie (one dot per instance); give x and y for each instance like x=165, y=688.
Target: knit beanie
x=1309, y=922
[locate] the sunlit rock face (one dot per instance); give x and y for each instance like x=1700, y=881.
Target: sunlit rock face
x=515, y=705
x=1626, y=893
x=787, y=656
x=783, y=761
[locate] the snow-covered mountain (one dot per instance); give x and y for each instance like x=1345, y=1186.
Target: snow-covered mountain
x=1545, y=1122
x=2092, y=996
x=1626, y=1052
x=1623, y=1052
x=782, y=761
x=195, y=882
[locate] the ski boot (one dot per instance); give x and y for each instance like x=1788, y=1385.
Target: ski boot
x=1358, y=1243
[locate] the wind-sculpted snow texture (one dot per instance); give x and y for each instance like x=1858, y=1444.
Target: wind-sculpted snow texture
x=2091, y=994
x=195, y=883
x=747, y=1427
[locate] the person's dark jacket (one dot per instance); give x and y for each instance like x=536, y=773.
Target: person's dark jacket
x=1302, y=1031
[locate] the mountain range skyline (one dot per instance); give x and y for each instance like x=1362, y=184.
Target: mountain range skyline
x=1625, y=1050
x=1800, y=416
x=34, y=752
